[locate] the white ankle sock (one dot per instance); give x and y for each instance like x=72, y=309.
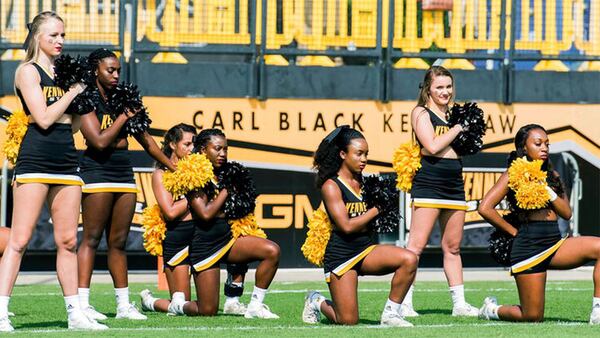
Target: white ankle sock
x=72, y=303
x=122, y=297
x=595, y=302
x=458, y=295
x=4, y=300
x=232, y=299
x=408, y=299
x=258, y=295
x=84, y=297
x=390, y=305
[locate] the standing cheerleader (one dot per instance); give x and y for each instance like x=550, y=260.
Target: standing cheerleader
x=214, y=243
x=438, y=189
x=109, y=192
x=46, y=170
x=537, y=245
x=352, y=250
x=178, y=143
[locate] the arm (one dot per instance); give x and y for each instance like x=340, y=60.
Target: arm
x=487, y=207
x=561, y=204
x=171, y=210
x=332, y=197
x=101, y=139
x=28, y=82
x=426, y=135
x=153, y=149
x=205, y=209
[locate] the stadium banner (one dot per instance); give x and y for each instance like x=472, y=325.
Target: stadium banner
x=276, y=139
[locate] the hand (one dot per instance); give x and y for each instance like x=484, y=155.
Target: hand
x=129, y=113
x=515, y=232
x=459, y=128
x=78, y=88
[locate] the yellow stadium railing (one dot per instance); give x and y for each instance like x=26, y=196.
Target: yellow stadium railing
x=92, y=22
x=329, y=25
x=590, y=44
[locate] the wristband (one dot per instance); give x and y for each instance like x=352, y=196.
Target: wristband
x=553, y=195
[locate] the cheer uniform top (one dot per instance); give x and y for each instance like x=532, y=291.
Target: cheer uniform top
x=211, y=241
x=47, y=155
x=108, y=170
x=346, y=251
x=438, y=183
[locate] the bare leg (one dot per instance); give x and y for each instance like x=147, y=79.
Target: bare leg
x=532, y=296
x=207, y=289
x=178, y=279
x=385, y=259
x=117, y=232
x=452, y=223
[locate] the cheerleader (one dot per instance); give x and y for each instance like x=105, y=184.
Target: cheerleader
x=178, y=143
x=537, y=245
x=438, y=192
x=109, y=191
x=46, y=169
x=213, y=243
x=352, y=250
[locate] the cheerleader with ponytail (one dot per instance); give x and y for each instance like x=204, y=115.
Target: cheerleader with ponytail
x=437, y=191
x=46, y=169
x=219, y=239
x=109, y=191
x=350, y=247
x=536, y=198
x=173, y=244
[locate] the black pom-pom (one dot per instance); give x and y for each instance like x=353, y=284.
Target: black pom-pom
x=381, y=192
x=468, y=115
x=85, y=102
x=241, y=192
x=69, y=70
x=127, y=96
x=500, y=243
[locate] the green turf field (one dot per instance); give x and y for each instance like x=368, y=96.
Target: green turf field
x=40, y=311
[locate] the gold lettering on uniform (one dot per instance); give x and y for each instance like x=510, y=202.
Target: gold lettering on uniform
x=440, y=130
x=107, y=121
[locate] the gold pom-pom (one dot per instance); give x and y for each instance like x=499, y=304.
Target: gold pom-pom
x=193, y=172
x=246, y=226
x=155, y=229
x=528, y=181
x=406, y=162
x=319, y=231
x=15, y=131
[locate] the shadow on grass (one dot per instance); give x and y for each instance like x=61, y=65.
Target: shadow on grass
x=434, y=312
x=61, y=324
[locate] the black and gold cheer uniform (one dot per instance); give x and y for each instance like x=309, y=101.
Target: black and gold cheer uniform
x=534, y=246
x=346, y=251
x=211, y=241
x=47, y=155
x=439, y=183
x=108, y=170
x=176, y=245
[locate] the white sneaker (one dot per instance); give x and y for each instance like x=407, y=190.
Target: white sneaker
x=147, y=300
x=465, y=310
x=5, y=325
x=393, y=318
x=408, y=311
x=234, y=308
x=311, y=313
x=176, y=305
x=10, y=314
x=489, y=309
x=91, y=313
x=259, y=310
x=595, y=316
x=79, y=321
x=130, y=312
